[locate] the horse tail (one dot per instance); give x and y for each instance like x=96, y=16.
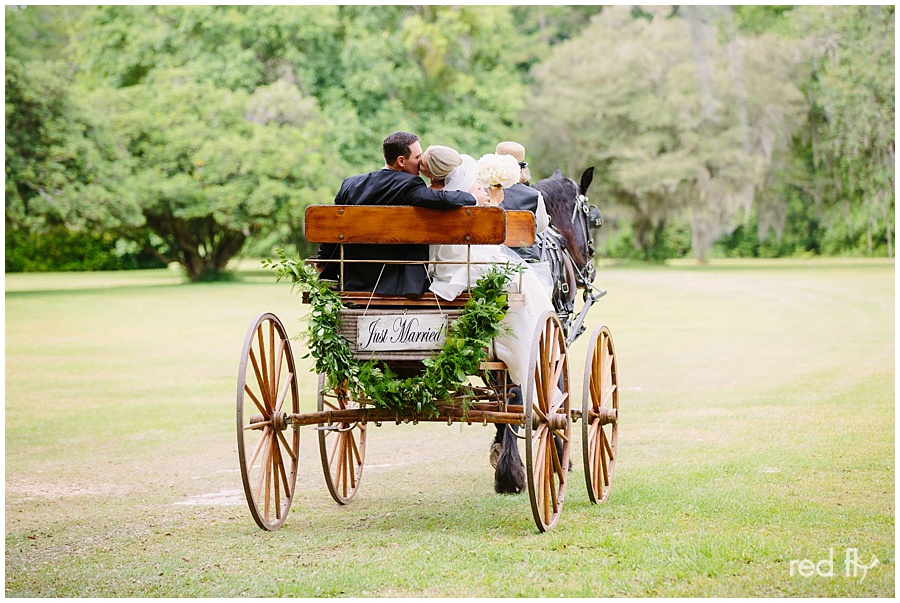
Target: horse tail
x=509, y=477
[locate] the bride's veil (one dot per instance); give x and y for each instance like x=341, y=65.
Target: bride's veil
x=462, y=177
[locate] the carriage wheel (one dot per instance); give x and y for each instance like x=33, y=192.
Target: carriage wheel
x=266, y=449
x=599, y=413
x=342, y=446
x=547, y=415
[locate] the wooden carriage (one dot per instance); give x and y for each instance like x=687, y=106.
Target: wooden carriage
x=268, y=404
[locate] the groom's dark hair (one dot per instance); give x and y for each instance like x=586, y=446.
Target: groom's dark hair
x=397, y=145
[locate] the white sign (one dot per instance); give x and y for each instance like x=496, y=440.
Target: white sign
x=400, y=332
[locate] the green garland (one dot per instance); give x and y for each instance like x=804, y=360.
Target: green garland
x=445, y=374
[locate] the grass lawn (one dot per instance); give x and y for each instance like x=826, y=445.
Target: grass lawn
x=756, y=450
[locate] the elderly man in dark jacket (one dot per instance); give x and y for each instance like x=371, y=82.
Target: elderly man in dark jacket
x=397, y=183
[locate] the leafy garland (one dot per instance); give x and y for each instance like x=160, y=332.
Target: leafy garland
x=468, y=338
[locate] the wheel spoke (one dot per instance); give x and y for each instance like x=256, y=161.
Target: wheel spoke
x=608, y=395
x=561, y=435
x=595, y=391
x=539, y=384
x=278, y=361
x=549, y=490
x=263, y=369
x=603, y=459
x=559, y=401
x=286, y=446
x=539, y=460
x=538, y=433
x=592, y=434
x=256, y=401
x=598, y=461
x=560, y=365
x=545, y=367
x=276, y=462
x=334, y=446
x=336, y=466
x=345, y=465
x=259, y=445
x=606, y=444
x=557, y=462
x=272, y=382
x=283, y=393
x=268, y=491
x=348, y=460
x=356, y=450
x=282, y=471
x=257, y=425
x=263, y=388
x=263, y=470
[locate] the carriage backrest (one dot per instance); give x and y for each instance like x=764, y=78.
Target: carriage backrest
x=395, y=224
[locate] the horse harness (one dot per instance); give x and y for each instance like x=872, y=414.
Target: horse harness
x=566, y=274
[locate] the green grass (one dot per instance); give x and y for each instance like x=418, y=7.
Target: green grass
x=757, y=409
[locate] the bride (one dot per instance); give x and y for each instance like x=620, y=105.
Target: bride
x=448, y=170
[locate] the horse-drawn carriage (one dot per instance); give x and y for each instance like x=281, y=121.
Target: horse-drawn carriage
x=268, y=401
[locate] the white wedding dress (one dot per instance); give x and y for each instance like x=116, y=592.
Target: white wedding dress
x=513, y=344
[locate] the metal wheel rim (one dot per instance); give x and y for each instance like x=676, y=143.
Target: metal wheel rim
x=599, y=442
x=271, y=491
x=546, y=478
x=348, y=445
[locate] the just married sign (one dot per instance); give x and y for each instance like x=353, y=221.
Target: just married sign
x=400, y=332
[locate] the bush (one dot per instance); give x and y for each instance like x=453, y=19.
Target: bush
x=63, y=250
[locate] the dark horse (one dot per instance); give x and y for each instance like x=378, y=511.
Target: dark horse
x=568, y=246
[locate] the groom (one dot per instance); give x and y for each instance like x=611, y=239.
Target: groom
x=397, y=183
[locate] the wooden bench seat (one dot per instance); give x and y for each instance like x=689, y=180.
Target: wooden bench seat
x=395, y=224
x=428, y=300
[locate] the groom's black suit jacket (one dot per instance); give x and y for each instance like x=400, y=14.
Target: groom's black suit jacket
x=387, y=187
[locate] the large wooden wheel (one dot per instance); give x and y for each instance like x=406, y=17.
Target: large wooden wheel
x=267, y=445
x=342, y=446
x=547, y=418
x=599, y=413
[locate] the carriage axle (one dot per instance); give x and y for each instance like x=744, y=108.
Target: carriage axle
x=513, y=416
x=379, y=415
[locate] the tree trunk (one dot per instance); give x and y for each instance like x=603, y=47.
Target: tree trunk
x=201, y=245
x=889, y=235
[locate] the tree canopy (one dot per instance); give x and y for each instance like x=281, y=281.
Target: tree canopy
x=193, y=131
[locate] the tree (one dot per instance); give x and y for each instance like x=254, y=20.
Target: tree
x=444, y=72
x=62, y=166
x=40, y=32
x=213, y=167
x=852, y=108
x=660, y=104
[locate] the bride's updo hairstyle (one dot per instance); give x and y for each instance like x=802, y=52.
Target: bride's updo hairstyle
x=440, y=160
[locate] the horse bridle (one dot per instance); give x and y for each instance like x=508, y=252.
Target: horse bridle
x=588, y=216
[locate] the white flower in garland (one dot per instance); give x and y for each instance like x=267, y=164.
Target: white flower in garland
x=497, y=170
